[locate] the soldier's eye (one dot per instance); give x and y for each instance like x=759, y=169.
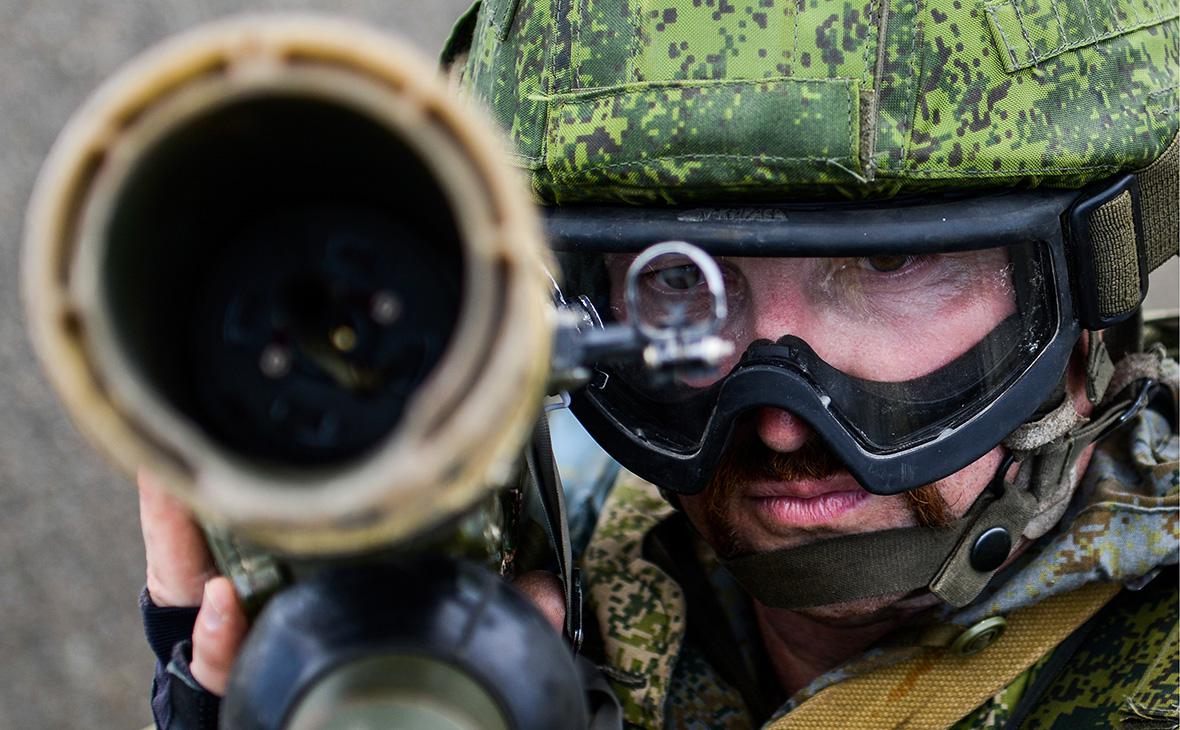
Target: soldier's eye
x=677, y=278
x=886, y=263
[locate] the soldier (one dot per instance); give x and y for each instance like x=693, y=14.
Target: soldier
x=896, y=504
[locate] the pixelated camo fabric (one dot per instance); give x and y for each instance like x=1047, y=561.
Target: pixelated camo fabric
x=650, y=101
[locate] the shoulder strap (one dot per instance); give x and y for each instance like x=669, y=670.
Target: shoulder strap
x=937, y=688
x=1119, y=668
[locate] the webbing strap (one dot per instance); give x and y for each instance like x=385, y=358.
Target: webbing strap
x=1159, y=191
x=1099, y=369
x=958, y=581
x=863, y=565
x=1105, y=382
x=1115, y=245
x=845, y=568
x=542, y=468
x=937, y=688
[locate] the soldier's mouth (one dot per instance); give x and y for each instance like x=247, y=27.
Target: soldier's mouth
x=807, y=512
x=805, y=503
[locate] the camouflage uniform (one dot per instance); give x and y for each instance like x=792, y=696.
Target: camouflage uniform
x=655, y=102
x=1122, y=526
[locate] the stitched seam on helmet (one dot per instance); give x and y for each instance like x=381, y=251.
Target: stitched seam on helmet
x=698, y=156
x=1023, y=172
x=497, y=7
x=1114, y=15
x=1032, y=51
x=1018, y=59
x=1090, y=21
x=1155, y=10
x=1060, y=25
x=576, y=40
x=916, y=77
x=878, y=90
x=602, y=92
x=991, y=13
x=851, y=90
x=1135, y=12
x=871, y=25
x=800, y=7
x=537, y=161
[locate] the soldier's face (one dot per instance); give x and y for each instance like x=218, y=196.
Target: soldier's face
x=883, y=318
x=886, y=318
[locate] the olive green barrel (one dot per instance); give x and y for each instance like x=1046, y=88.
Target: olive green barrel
x=278, y=263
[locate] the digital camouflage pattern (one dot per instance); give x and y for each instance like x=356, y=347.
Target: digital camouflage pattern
x=674, y=100
x=1127, y=673
x=1123, y=525
x=640, y=611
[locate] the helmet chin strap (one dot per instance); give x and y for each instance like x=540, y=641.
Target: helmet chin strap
x=955, y=563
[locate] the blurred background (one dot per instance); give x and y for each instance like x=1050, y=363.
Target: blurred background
x=72, y=653
x=71, y=562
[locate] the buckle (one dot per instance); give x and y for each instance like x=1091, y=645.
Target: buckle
x=1087, y=278
x=1146, y=392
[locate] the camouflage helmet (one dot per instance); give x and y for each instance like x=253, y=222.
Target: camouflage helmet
x=671, y=101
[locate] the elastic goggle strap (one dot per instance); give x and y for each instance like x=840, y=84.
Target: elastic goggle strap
x=1129, y=235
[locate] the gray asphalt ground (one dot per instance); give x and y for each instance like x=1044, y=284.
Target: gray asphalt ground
x=71, y=649
x=72, y=654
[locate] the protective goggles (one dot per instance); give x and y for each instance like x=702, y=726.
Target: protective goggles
x=910, y=338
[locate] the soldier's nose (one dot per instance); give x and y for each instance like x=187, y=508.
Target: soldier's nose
x=781, y=430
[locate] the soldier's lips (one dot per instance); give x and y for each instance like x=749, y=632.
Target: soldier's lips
x=805, y=503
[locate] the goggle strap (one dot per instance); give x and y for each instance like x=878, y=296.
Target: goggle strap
x=1151, y=365
x=1105, y=380
x=1122, y=234
x=1159, y=189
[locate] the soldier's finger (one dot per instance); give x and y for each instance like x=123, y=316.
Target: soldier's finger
x=178, y=562
x=544, y=590
x=217, y=636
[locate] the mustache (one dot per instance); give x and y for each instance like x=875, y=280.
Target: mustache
x=747, y=459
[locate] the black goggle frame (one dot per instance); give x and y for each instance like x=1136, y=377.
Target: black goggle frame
x=1047, y=217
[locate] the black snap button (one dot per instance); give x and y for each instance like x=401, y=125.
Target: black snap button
x=991, y=549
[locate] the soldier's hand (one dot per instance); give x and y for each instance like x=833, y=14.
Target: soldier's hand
x=180, y=572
